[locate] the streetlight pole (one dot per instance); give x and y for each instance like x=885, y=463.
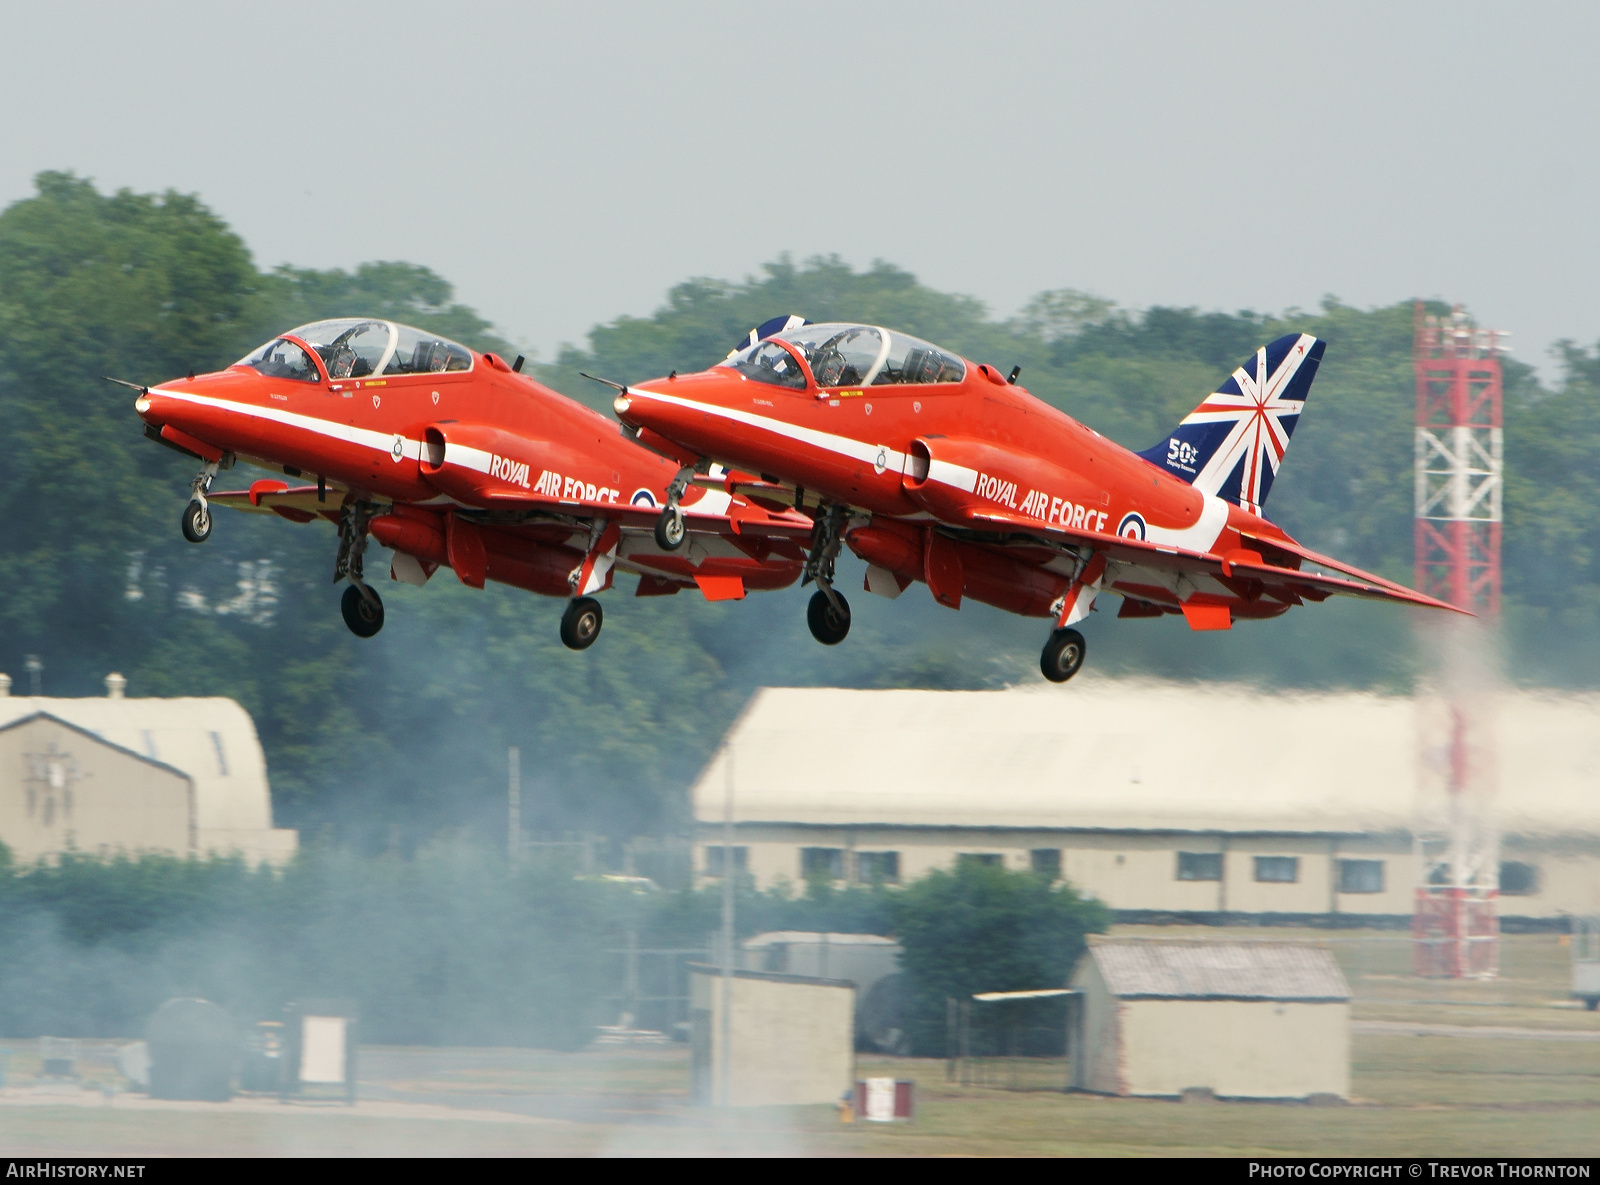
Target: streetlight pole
x=728, y=871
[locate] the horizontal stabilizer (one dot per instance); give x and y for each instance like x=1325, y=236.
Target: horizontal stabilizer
x=1238, y=566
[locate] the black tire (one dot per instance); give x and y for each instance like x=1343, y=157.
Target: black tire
x=1063, y=655
x=670, y=529
x=363, y=614
x=580, y=624
x=828, y=625
x=196, y=523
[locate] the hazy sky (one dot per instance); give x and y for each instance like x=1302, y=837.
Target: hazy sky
x=564, y=164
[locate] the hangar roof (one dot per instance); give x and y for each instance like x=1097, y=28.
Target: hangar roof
x=1167, y=970
x=212, y=740
x=1126, y=754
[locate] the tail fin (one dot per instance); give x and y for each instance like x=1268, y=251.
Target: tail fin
x=1232, y=444
x=766, y=329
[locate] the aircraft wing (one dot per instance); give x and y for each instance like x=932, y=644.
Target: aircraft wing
x=1238, y=570
x=714, y=513
x=296, y=503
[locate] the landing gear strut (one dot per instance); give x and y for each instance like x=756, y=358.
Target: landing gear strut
x=196, y=520
x=670, y=529
x=1063, y=655
x=580, y=624
x=828, y=614
x=361, y=606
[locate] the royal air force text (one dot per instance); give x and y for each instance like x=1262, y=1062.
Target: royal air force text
x=1061, y=511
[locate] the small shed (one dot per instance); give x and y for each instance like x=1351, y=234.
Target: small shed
x=1260, y=1020
x=870, y=961
x=790, y=1037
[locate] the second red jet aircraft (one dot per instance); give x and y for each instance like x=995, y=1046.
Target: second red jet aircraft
x=932, y=468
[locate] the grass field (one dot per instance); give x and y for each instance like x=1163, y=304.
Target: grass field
x=1511, y=1069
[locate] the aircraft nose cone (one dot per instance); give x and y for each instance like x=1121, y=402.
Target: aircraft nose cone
x=638, y=408
x=155, y=408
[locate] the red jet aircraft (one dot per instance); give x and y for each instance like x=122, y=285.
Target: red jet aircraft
x=454, y=458
x=935, y=469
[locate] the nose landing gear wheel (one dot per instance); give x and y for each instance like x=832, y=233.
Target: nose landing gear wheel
x=363, y=614
x=1063, y=655
x=828, y=624
x=670, y=529
x=196, y=522
x=580, y=624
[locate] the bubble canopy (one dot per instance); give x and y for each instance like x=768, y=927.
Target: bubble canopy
x=353, y=348
x=845, y=355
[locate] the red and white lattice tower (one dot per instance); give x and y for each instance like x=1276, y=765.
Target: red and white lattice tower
x=1459, y=447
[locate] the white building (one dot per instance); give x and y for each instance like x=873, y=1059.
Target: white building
x=791, y=1038
x=1158, y=798
x=108, y=774
x=1261, y=1020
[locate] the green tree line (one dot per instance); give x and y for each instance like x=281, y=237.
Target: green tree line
x=450, y=946
x=406, y=733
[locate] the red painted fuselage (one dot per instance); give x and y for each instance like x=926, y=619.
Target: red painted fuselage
x=459, y=461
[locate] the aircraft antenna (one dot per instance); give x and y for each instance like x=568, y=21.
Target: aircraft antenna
x=1459, y=448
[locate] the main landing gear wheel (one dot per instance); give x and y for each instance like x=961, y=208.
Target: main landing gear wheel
x=580, y=624
x=1063, y=655
x=197, y=522
x=670, y=529
x=363, y=613
x=828, y=624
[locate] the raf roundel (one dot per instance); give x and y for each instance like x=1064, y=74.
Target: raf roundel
x=1131, y=526
x=642, y=497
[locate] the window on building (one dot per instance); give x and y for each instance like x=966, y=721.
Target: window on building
x=715, y=862
x=1518, y=879
x=1278, y=869
x=1199, y=866
x=1360, y=876
x=822, y=863
x=1046, y=862
x=989, y=859
x=874, y=868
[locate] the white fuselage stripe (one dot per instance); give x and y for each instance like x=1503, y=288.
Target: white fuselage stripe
x=711, y=503
x=366, y=437
x=1199, y=536
x=843, y=446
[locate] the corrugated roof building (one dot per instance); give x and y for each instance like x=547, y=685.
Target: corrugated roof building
x=1156, y=797
x=103, y=774
x=1238, y=1019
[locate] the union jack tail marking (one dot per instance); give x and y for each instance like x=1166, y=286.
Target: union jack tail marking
x=1232, y=444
